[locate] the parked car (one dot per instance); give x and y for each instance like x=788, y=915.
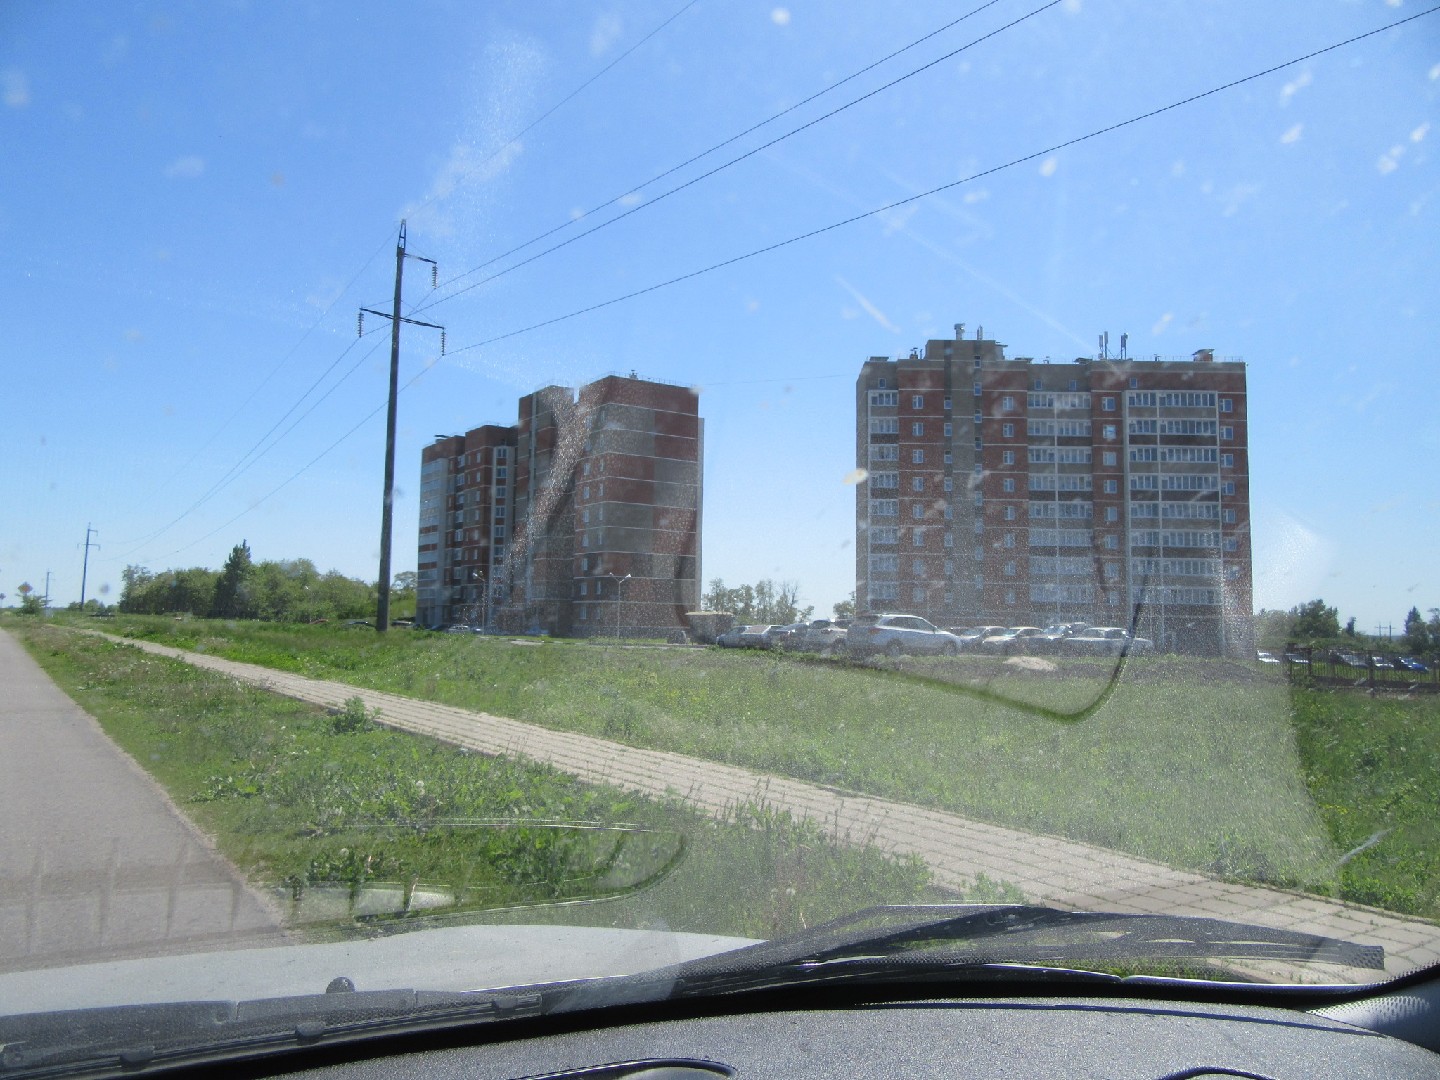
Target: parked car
x=1382, y=663
x=822, y=636
x=896, y=635
x=787, y=636
x=1351, y=659
x=757, y=636
x=971, y=637
x=1411, y=663
x=1107, y=641
x=1049, y=639
x=1010, y=640
x=729, y=639
x=1266, y=657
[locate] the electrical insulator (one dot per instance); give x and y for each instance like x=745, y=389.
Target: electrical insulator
x=360, y=324
x=434, y=276
x=442, y=342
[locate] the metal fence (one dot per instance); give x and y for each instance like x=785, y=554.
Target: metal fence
x=1343, y=668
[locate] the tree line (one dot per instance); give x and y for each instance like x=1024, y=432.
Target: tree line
x=278, y=590
x=1317, y=623
x=768, y=602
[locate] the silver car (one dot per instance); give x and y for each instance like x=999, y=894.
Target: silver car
x=897, y=635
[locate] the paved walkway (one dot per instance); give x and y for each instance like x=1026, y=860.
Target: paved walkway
x=95, y=861
x=1047, y=869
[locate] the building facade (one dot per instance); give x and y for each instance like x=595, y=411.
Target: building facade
x=582, y=519
x=1017, y=492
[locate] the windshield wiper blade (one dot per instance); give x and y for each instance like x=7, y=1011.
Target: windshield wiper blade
x=969, y=939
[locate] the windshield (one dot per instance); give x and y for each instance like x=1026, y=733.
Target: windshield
x=520, y=476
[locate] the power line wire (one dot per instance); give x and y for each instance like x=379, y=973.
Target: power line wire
x=260, y=386
x=304, y=468
x=243, y=465
x=553, y=108
x=944, y=187
x=718, y=146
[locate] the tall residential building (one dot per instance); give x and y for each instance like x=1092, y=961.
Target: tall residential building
x=582, y=519
x=1021, y=492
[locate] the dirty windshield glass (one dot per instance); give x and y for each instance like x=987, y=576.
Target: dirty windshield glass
x=528, y=491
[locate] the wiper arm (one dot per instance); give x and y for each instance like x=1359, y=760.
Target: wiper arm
x=930, y=940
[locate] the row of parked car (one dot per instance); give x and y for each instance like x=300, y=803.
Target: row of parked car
x=1358, y=660
x=898, y=634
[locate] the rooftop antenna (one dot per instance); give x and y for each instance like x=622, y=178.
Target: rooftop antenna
x=979, y=333
x=1124, y=346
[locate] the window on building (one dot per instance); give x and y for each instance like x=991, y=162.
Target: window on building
x=917, y=594
x=1007, y=403
x=1112, y=513
x=949, y=568
x=1232, y=544
x=1227, y=405
x=1112, y=542
x=1134, y=382
x=917, y=567
x=1073, y=385
x=1039, y=385
x=949, y=540
x=1107, y=457
x=917, y=483
x=1010, y=597
x=1107, y=404
x=1112, y=487
x=1007, y=457
x=948, y=430
x=584, y=588
x=1008, y=484
x=917, y=510
x=1228, y=517
x=880, y=383
x=1112, y=571
x=1227, y=461
x=977, y=388
x=917, y=401
x=917, y=457
x=949, y=458
x=1227, y=433
x=1107, y=431
x=1007, y=431
x=1008, y=540
x=1009, y=513
x=947, y=404
x=948, y=483
x=979, y=499
x=979, y=417
x=1010, y=569
x=918, y=538
x=1228, y=487
x=917, y=428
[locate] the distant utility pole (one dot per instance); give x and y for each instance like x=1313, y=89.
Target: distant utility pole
x=382, y=615
x=47, y=588
x=85, y=568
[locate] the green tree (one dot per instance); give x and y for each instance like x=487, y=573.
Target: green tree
x=1314, y=620
x=30, y=601
x=233, y=597
x=845, y=609
x=1417, y=633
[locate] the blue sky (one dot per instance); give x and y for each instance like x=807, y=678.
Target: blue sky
x=196, y=198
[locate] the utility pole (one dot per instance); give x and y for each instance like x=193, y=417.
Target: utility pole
x=85, y=568
x=382, y=615
x=47, y=591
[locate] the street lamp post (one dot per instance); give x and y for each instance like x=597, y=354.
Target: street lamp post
x=619, y=581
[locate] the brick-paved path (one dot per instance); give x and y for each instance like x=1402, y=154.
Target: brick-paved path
x=1060, y=872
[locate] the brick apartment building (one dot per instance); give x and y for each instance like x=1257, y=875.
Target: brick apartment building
x=582, y=519
x=1019, y=492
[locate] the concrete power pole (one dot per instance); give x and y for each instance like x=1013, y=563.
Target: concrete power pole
x=85, y=567
x=382, y=614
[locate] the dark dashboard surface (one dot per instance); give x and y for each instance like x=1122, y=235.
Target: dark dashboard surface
x=1017, y=1038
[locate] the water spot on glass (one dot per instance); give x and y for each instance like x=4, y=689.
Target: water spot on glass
x=855, y=476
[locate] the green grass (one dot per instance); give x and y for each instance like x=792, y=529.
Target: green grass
x=1374, y=768
x=1192, y=763
x=295, y=796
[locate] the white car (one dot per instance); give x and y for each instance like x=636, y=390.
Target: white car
x=898, y=635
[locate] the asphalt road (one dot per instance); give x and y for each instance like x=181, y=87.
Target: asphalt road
x=95, y=861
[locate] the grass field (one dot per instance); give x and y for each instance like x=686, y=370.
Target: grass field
x=296, y=797
x=1193, y=763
